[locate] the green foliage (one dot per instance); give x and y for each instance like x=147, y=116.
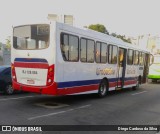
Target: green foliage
x=98, y=27
x=101, y=28
x=122, y=37
x=8, y=43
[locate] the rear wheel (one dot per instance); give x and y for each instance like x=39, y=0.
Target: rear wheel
x=9, y=90
x=103, y=89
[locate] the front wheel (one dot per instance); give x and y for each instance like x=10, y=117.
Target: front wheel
x=9, y=90
x=103, y=89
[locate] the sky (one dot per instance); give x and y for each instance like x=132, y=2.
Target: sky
x=125, y=17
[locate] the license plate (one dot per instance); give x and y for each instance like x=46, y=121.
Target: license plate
x=30, y=81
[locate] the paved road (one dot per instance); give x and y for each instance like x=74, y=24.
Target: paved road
x=125, y=107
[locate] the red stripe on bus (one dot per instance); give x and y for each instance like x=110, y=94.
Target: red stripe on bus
x=77, y=89
x=112, y=84
x=129, y=82
x=31, y=65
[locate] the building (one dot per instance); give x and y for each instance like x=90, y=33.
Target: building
x=67, y=19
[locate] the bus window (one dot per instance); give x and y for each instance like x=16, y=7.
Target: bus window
x=136, y=58
x=130, y=57
x=112, y=58
x=98, y=52
x=101, y=52
x=69, y=47
x=73, y=48
x=83, y=50
x=90, y=51
x=141, y=58
x=28, y=37
x=121, y=56
x=87, y=50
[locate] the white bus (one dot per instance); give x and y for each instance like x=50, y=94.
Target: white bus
x=59, y=59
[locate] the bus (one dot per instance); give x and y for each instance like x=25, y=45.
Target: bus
x=154, y=69
x=57, y=59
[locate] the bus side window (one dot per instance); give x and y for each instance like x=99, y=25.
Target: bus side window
x=64, y=47
x=136, y=57
x=101, y=52
x=73, y=48
x=70, y=47
x=83, y=50
x=141, y=58
x=98, y=52
x=87, y=50
x=90, y=51
x=112, y=51
x=130, y=57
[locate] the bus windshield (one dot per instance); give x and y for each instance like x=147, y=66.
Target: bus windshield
x=31, y=37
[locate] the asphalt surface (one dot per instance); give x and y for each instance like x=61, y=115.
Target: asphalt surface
x=123, y=107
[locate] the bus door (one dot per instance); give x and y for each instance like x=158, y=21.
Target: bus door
x=121, y=67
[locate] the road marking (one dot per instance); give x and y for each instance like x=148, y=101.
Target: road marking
x=60, y=112
x=16, y=98
x=139, y=93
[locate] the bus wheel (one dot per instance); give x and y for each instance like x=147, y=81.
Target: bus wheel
x=103, y=89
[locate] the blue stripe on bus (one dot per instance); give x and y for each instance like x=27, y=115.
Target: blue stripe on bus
x=77, y=83
x=30, y=60
x=87, y=82
x=129, y=78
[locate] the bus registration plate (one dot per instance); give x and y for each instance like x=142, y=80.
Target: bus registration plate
x=30, y=82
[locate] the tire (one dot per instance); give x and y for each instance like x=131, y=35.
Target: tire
x=103, y=89
x=8, y=89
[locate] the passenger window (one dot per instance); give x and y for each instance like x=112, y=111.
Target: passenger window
x=101, y=52
x=130, y=57
x=136, y=57
x=112, y=54
x=83, y=50
x=90, y=51
x=70, y=47
x=87, y=50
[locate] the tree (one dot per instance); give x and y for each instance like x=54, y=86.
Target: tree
x=0, y=46
x=122, y=37
x=8, y=43
x=98, y=27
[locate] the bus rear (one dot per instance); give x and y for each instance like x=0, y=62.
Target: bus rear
x=33, y=59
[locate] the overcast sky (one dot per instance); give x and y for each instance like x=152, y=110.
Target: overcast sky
x=126, y=17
